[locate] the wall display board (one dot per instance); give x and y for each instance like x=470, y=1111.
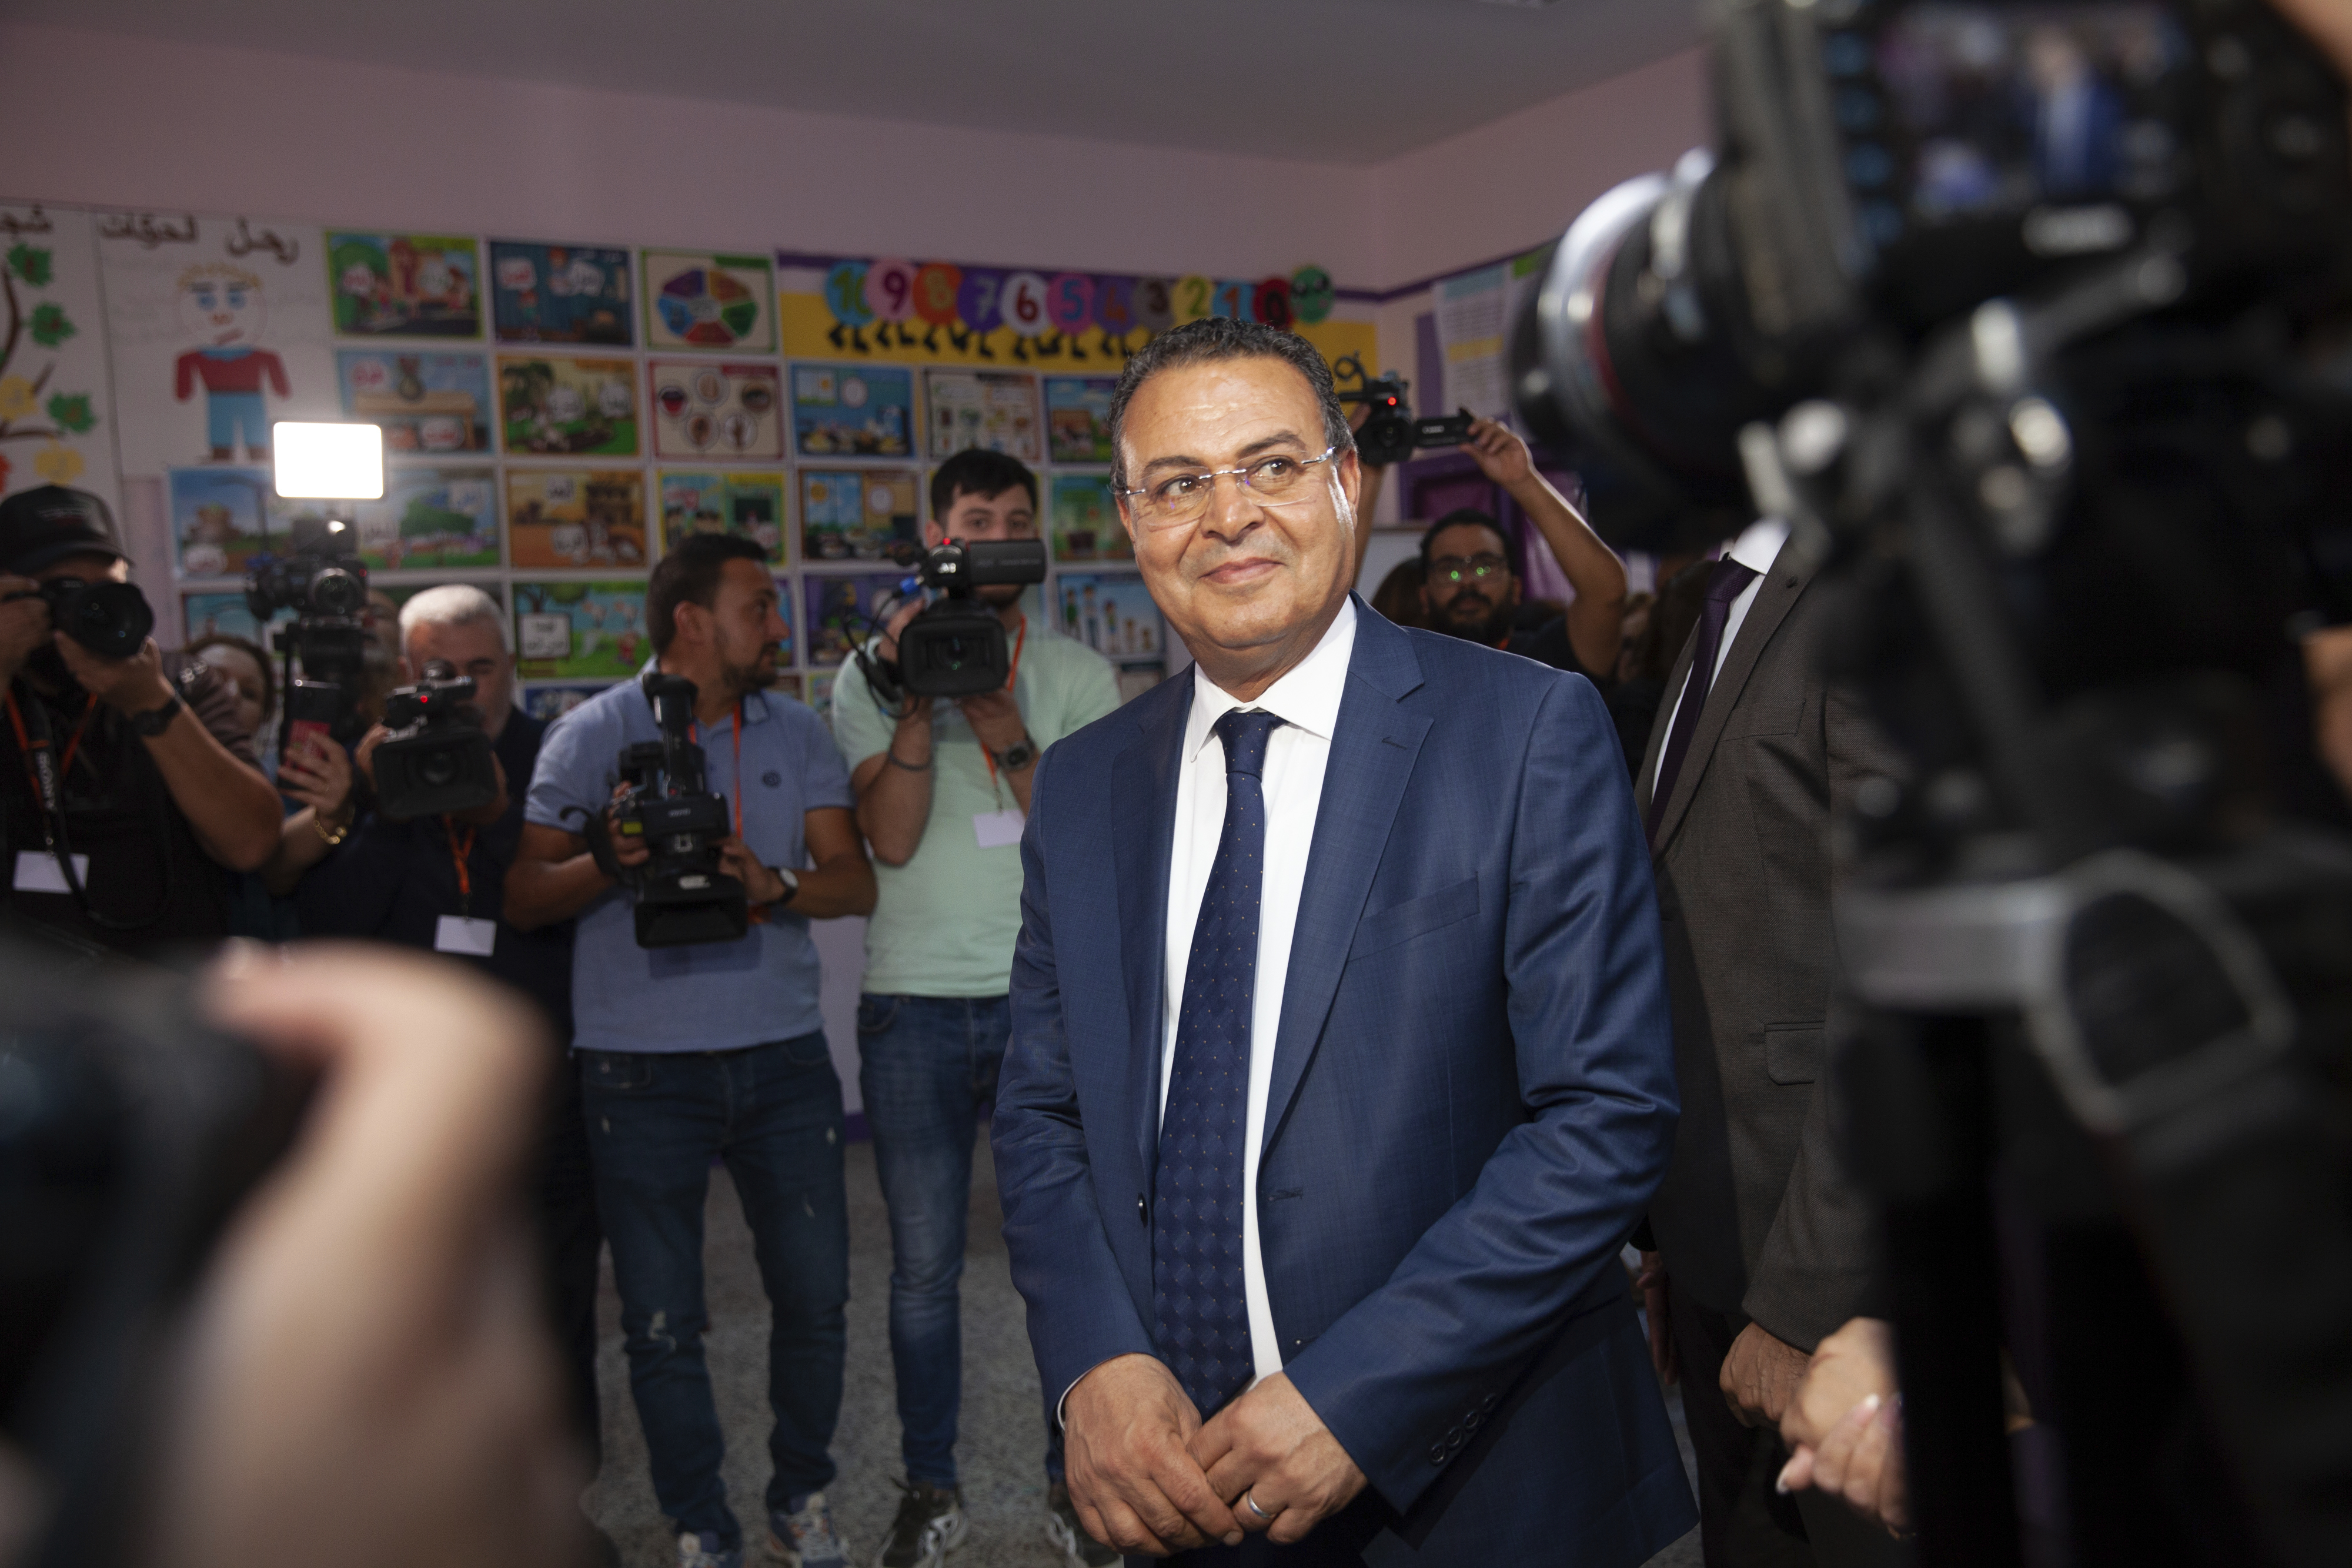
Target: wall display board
x=405, y=286
x=580, y=630
x=855, y=514
x=561, y=294
x=1084, y=520
x=702, y=500
x=853, y=411
x=841, y=610
x=702, y=299
x=995, y=411
x=428, y=403
x=1077, y=418
x=576, y=519
x=56, y=422
x=552, y=405
x=713, y=412
x=222, y=517
x=1111, y=614
x=431, y=518
x=224, y=612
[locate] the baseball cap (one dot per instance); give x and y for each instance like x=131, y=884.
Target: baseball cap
x=42, y=527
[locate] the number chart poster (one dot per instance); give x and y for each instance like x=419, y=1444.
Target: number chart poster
x=1077, y=418
x=553, y=406
x=700, y=300
x=431, y=518
x=995, y=411
x=217, y=327
x=405, y=286
x=1112, y=614
x=222, y=517
x=855, y=514
x=841, y=612
x=853, y=411
x=560, y=294
x=56, y=416
x=580, y=630
x=700, y=501
x=427, y=403
x=575, y=519
x=716, y=412
x=1086, y=522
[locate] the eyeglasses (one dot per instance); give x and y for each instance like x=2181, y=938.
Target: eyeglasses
x=1455, y=568
x=1181, y=498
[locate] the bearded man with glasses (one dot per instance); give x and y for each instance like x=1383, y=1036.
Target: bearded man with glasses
x=1340, y=1066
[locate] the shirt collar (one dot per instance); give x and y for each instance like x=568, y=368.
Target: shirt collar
x=1307, y=696
x=1760, y=544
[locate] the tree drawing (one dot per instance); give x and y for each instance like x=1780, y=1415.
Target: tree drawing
x=36, y=326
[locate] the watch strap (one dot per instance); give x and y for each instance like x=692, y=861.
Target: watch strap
x=156, y=720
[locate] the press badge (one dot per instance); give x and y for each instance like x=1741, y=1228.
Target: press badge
x=456, y=934
x=994, y=830
x=38, y=872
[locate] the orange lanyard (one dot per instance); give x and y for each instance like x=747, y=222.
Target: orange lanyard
x=1011, y=676
x=458, y=855
x=735, y=726
x=64, y=762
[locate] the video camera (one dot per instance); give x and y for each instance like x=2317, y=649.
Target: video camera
x=436, y=757
x=323, y=581
x=113, y=619
x=1391, y=433
x=682, y=895
x=956, y=646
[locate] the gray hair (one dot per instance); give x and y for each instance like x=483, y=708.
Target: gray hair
x=1215, y=337
x=454, y=604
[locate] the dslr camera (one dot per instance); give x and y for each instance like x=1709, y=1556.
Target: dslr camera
x=956, y=647
x=683, y=897
x=111, y=620
x=437, y=758
x=323, y=581
x=1391, y=433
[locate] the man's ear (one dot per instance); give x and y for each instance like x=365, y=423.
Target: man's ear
x=935, y=532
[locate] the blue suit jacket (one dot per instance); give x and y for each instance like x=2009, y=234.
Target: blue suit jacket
x=1473, y=1100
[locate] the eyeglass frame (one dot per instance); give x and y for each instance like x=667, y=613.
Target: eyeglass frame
x=1241, y=482
x=1502, y=566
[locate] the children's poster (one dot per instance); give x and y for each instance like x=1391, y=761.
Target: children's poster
x=576, y=519
x=405, y=286
x=819, y=695
x=842, y=611
x=701, y=501
x=219, y=518
x=553, y=406
x=1085, y=520
x=548, y=704
x=1111, y=614
x=716, y=412
x=853, y=411
x=995, y=411
x=1077, y=418
x=56, y=418
x=560, y=294
x=223, y=613
x=217, y=328
x=700, y=300
x=855, y=514
x=428, y=403
x=580, y=630
x=431, y=518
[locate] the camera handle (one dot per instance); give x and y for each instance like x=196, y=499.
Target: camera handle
x=600, y=843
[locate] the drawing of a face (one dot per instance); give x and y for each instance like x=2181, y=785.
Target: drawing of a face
x=221, y=307
x=564, y=404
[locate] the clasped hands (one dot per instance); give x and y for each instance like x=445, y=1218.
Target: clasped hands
x=1150, y=1478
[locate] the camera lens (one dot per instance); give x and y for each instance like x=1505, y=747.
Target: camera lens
x=334, y=592
x=437, y=769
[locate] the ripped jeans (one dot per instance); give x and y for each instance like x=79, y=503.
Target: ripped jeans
x=655, y=1119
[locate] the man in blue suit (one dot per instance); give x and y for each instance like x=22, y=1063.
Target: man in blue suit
x=1341, y=1065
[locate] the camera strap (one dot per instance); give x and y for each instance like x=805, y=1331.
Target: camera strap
x=459, y=851
x=758, y=912
x=45, y=772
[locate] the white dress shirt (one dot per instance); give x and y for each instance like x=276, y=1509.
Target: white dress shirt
x=1308, y=701
x=1756, y=547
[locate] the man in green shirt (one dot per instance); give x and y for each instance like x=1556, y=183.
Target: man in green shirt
x=942, y=789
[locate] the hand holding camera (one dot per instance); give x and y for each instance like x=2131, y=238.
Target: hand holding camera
x=135, y=684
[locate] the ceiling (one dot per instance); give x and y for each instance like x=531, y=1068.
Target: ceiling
x=1352, y=82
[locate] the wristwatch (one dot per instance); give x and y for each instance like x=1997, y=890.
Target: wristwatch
x=1017, y=756
x=155, y=721
x=792, y=882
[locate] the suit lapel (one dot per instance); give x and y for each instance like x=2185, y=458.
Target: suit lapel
x=1143, y=781
x=1373, y=748
x=1648, y=774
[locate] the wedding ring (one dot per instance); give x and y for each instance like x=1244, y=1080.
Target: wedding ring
x=1251, y=1499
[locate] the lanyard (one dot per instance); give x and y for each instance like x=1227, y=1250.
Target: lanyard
x=759, y=914
x=46, y=784
x=458, y=855
x=1011, y=676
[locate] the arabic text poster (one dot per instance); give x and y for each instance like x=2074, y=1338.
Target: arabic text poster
x=431, y=518
x=560, y=294
x=857, y=513
x=704, y=501
x=1077, y=418
x=217, y=328
x=405, y=286
x=428, y=403
x=702, y=299
x=56, y=414
x=552, y=405
x=1086, y=522
x=713, y=412
x=1111, y=614
x=222, y=517
x=853, y=411
x=576, y=519
x=995, y=411
x=580, y=630
x=841, y=612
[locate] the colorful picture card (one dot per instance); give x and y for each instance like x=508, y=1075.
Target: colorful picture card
x=223, y=613
x=580, y=630
x=405, y=286
x=576, y=519
x=431, y=518
x=1077, y=418
x=428, y=403
x=853, y=411
x=819, y=694
x=703, y=299
x=1085, y=520
x=842, y=611
x=716, y=412
x=553, y=406
x=857, y=513
x=220, y=517
x=1111, y=614
x=995, y=411
x=701, y=501
x=560, y=294
x=548, y=704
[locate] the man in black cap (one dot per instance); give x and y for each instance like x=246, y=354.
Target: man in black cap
x=127, y=786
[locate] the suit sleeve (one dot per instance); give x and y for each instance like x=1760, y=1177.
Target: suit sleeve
x=1816, y=1270
x=1491, y=1283
x=1080, y=1313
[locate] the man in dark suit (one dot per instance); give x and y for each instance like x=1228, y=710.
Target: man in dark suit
x=1339, y=1066
x=1763, y=1245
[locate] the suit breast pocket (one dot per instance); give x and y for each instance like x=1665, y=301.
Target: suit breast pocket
x=1795, y=1052
x=1774, y=717
x=1415, y=917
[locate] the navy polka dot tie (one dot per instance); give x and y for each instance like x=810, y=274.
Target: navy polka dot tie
x=1196, y=1236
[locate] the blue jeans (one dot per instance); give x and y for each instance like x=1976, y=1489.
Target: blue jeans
x=928, y=1067
x=773, y=1113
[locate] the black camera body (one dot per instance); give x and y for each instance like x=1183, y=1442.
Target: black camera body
x=1391, y=433
x=113, y=619
x=956, y=647
x=682, y=895
x=322, y=580
x=437, y=758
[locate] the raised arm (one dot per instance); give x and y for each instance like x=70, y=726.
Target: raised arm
x=1596, y=622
